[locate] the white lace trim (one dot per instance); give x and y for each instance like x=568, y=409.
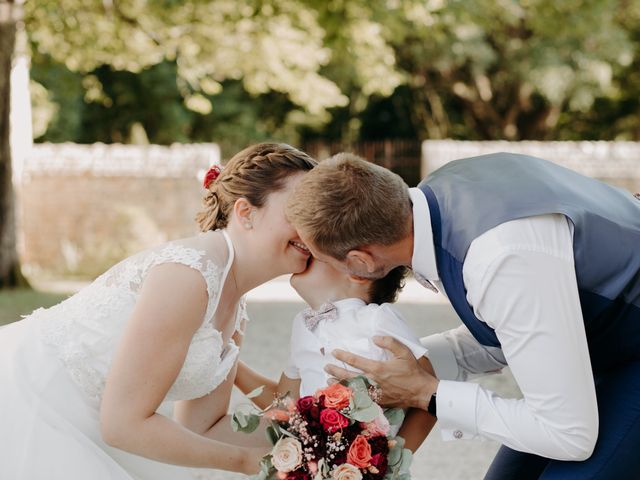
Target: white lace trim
x=86, y=327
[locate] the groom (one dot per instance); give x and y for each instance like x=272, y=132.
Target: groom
x=541, y=264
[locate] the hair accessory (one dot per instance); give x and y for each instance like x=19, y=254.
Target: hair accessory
x=212, y=174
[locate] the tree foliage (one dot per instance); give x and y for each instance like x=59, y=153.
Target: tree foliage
x=237, y=71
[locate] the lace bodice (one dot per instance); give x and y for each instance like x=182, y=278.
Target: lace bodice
x=86, y=328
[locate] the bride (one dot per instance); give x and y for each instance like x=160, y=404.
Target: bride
x=82, y=383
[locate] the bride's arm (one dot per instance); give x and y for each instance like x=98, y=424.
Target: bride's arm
x=150, y=355
x=201, y=414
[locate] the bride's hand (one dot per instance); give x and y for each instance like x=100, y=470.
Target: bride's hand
x=403, y=380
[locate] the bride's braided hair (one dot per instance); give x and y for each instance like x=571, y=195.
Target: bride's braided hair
x=253, y=173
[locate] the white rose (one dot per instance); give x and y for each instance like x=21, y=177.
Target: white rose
x=286, y=455
x=346, y=471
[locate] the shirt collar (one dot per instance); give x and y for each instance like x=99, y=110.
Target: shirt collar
x=423, y=260
x=349, y=304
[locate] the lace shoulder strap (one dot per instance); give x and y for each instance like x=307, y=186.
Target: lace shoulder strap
x=204, y=253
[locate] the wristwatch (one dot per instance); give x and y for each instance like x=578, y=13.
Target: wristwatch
x=431, y=408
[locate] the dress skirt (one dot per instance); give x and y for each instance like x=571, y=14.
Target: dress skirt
x=48, y=429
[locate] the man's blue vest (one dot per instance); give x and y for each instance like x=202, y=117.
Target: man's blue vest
x=471, y=196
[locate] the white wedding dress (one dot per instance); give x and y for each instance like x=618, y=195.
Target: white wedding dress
x=53, y=366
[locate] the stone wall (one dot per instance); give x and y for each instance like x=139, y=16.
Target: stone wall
x=84, y=207
x=617, y=163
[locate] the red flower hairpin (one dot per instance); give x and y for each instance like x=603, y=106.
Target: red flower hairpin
x=212, y=174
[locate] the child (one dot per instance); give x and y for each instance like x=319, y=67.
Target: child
x=345, y=312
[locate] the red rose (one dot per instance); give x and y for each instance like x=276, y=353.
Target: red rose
x=332, y=420
x=381, y=463
x=379, y=445
x=305, y=403
x=359, y=452
x=298, y=475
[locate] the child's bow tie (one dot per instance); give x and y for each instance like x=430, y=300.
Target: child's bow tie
x=312, y=318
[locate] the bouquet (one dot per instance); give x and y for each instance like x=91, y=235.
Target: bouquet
x=339, y=433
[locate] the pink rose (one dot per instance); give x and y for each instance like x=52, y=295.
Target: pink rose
x=332, y=420
x=346, y=472
x=277, y=415
x=378, y=426
x=286, y=455
x=336, y=396
x=359, y=452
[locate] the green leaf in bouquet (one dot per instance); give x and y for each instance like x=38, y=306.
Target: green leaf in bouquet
x=255, y=392
x=399, y=441
x=362, y=399
x=244, y=422
x=405, y=460
x=266, y=470
x=323, y=469
x=395, y=456
x=395, y=416
x=288, y=433
x=395, y=453
x=273, y=433
x=365, y=414
x=357, y=384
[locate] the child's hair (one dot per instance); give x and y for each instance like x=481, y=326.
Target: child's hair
x=253, y=173
x=387, y=288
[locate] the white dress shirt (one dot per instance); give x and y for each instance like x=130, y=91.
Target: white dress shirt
x=520, y=280
x=353, y=329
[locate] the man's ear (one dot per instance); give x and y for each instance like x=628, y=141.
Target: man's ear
x=244, y=211
x=361, y=258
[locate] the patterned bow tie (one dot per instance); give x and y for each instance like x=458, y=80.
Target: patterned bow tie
x=312, y=318
x=424, y=282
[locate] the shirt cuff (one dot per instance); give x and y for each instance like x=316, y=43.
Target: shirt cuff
x=441, y=356
x=456, y=409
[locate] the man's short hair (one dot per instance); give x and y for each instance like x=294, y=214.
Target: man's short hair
x=346, y=202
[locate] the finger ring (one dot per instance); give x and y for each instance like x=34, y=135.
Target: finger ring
x=375, y=392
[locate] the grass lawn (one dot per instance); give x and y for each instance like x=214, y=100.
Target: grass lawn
x=14, y=303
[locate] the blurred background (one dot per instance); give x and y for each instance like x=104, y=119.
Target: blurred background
x=111, y=111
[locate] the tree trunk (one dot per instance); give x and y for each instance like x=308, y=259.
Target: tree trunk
x=10, y=275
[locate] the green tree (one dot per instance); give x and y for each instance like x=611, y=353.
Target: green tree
x=490, y=69
x=271, y=46
x=473, y=69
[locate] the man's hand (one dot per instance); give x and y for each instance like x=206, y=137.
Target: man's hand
x=403, y=380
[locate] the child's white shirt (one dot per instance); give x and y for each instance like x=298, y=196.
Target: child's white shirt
x=352, y=330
